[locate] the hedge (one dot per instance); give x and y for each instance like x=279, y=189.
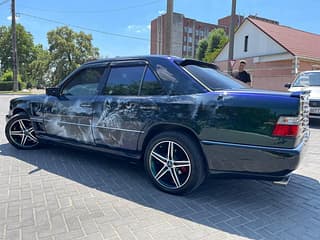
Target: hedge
x=8, y=85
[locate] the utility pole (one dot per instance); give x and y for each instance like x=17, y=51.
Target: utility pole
x=231, y=35
x=14, y=46
x=169, y=27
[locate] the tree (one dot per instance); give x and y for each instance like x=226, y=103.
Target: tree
x=201, y=50
x=216, y=40
x=209, y=48
x=25, y=48
x=39, y=68
x=68, y=51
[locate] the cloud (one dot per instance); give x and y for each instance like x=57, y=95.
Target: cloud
x=161, y=12
x=10, y=18
x=139, y=28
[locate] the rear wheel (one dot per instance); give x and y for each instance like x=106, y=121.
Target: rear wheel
x=174, y=163
x=20, y=133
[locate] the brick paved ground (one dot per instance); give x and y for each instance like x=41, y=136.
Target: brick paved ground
x=58, y=193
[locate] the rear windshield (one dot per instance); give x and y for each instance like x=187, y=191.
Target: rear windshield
x=214, y=79
x=307, y=79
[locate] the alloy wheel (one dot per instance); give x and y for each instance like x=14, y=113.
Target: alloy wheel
x=22, y=134
x=170, y=164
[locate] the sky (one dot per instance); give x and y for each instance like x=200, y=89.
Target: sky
x=122, y=27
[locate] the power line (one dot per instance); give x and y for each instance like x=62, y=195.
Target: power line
x=92, y=29
x=84, y=28
x=94, y=11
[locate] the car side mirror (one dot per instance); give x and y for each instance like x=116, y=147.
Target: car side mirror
x=53, y=91
x=287, y=85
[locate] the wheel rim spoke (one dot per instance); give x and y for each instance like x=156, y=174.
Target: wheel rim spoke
x=22, y=126
x=178, y=164
x=33, y=138
x=162, y=172
x=158, y=157
x=17, y=133
x=23, y=139
x=170, y=150
x=175, y=177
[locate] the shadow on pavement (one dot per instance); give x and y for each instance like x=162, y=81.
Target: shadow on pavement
x=247, y=208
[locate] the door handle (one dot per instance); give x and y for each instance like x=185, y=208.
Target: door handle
x=86, y=105
x=150, y=107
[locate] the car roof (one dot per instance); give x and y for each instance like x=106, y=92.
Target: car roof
x=128, y=58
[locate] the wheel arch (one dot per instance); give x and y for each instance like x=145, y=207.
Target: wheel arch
x=18, y=110
x=166, y=127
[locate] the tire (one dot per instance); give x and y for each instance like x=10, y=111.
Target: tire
x=174, y=163
x=20, y=133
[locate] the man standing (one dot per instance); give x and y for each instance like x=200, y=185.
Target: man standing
x=242, y=74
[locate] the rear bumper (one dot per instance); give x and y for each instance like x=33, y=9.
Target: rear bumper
x=252, y=161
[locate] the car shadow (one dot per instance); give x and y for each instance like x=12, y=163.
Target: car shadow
x=246, y=208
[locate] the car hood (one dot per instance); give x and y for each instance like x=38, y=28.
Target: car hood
x=314, y=91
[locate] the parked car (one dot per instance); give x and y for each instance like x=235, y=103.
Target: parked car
x=309, y=81
x=184, y=118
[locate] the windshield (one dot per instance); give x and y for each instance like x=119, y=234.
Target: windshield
x=307, y=79
x=214, y=79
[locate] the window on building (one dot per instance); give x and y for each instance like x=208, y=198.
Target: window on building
x=184, y=48
x=190, y=39
x=185, y=29
x=246, y=38
x=190, y=30
x=185, y=38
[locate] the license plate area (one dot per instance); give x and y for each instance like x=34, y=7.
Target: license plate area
x=315, y=110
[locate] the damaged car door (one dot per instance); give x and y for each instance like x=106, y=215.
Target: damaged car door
x=69, y=114
x=125, y=106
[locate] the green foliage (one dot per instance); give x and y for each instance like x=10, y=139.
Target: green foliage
x=6, y=85
x=39, y=68
x=25, y=49
x=6, y=81
x=7, y=76
x=68, y=51
x=209, y=48
x=201, y=50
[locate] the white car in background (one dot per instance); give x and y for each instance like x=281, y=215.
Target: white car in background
x=308, y=80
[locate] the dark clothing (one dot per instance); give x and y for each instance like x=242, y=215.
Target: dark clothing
x=243, y=76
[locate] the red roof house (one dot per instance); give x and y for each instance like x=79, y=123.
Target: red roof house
x=274, y=53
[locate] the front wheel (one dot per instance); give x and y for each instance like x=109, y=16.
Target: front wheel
x=174, y=163
x=20, y=133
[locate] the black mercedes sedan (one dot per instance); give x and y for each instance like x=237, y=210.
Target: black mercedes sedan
x=183, y=118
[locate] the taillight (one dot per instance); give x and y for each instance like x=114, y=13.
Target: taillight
x=286, y=127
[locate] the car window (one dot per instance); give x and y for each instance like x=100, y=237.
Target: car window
x=124, y=80
x=177, y=83
x=307, y=79
x=84, y=83
x=213, y=78
x=151, y=85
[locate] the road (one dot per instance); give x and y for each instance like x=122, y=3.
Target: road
x=59, y=193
